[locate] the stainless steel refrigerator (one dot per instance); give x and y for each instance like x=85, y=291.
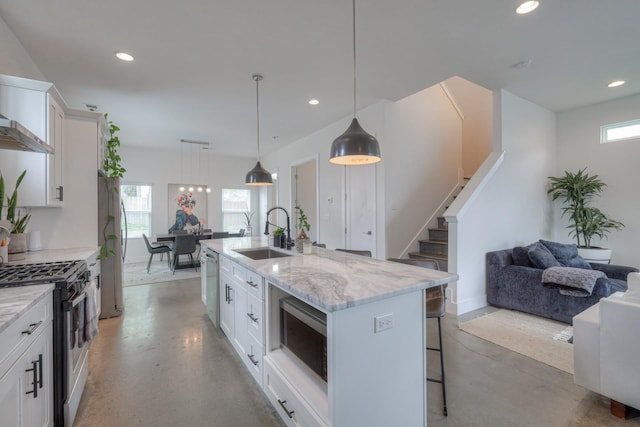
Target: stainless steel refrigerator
x=112, y=233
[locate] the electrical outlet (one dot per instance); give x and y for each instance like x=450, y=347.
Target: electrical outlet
x=383, y=322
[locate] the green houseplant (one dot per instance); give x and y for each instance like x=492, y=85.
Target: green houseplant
x=303, y=227
x=18, y=242
x=247, y=223
x=112, y=170
x=577, y=191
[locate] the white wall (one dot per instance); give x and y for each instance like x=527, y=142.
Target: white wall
x=422, y=158
x=14, y=60
x=616, y=164
x=163, y=167
x=513, y=207
x=330, y=176
x=476, y=105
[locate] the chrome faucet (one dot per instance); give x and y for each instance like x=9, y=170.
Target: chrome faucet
x=290, y=243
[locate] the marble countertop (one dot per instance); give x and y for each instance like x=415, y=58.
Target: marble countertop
x=332, y=280
x=53, y=255
x=16, y=301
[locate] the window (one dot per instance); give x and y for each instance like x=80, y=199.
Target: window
x=234, y=204
x=620, y=131
x=136, y=199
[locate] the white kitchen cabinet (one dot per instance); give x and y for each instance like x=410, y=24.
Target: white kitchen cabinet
x=26, y=369
x=55, y=163
x=39, y=107
x=241, y=313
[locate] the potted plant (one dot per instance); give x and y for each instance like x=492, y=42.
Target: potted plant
x=576, y=191
x=279, y=239
x=18, y=241
x=247, y=223
x=303, y=227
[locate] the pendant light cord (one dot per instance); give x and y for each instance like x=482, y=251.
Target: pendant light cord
x=257, y=78
x=354, y=58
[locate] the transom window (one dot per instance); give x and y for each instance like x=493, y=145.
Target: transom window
x=136, y=199
x=235, y=202
x=620, y=131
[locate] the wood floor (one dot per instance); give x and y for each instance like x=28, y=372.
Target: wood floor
x=163, y=364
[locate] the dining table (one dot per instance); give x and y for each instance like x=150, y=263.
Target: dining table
x=170, y=237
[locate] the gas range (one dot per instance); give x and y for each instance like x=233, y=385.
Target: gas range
x=45, y=272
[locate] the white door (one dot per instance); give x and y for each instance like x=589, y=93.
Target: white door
x=360, y=206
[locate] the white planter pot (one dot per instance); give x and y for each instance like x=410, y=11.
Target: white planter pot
x=599, y=255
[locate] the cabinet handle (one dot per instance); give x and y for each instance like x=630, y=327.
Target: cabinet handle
x=226, y=293
x=61, y=193
x=289, y=413
x=250, y=283
x=35, y=379
x=33, y=327
x=252, y=317
x=40, y=376
x=255, y=362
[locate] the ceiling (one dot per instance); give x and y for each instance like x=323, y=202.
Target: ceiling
x=191, y=78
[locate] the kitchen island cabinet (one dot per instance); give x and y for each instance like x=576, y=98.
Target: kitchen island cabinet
x=375, y=334
x=26, y=356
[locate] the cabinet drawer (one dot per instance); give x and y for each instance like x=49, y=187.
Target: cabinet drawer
x=254, y=358
x=226, y=264
x=255, y=285
x=288, y=403
x=17, y=337
x=254, y=318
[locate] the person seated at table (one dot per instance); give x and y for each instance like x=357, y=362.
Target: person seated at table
x=185, y=219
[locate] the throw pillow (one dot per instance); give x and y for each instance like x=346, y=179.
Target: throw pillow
x=541, y=257
x=520, y=256
x=566, y=254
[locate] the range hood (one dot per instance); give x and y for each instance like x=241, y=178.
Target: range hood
x=14, y=136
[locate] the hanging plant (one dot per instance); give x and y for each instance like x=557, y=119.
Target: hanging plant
x=112, y=170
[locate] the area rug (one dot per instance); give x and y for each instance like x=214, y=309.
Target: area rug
x=136, y=273
x=544, y=340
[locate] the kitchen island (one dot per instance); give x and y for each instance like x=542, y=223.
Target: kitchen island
x=374, y=369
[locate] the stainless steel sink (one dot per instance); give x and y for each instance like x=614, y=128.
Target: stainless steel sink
x=261, y=253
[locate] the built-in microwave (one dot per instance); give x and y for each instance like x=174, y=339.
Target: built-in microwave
x=303, y=335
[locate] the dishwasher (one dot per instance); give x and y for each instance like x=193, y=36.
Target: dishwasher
x=210, y=288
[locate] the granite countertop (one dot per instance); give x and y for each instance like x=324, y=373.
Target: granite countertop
x=16, y=301
x=53, y=255
x=332, y=280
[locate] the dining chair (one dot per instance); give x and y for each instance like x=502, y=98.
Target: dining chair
x=356, y=252
x=184, y=244
x=156, y=249
x=435, y=308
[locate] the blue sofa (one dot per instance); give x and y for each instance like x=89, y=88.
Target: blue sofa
x=519, y=287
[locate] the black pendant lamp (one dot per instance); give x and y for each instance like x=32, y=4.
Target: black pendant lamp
x=258, y=175
x=355, y=146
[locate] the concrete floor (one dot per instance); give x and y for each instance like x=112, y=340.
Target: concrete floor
x=163, y=364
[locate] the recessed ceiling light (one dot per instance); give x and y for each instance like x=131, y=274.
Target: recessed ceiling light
x=616, y=83
x=527, y=7
x=314, y=102
x=124, y=56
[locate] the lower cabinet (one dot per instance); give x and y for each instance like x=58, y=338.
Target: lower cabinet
x=26, y=392
x=288, y=403
x=241, y=313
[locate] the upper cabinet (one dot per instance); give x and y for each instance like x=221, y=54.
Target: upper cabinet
x=39, y=107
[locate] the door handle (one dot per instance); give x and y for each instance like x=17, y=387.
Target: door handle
x=369, y=233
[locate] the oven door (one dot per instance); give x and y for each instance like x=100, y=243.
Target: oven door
x=77, y=358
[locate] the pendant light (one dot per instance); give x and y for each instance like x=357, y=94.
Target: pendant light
x=355, y=146
x=258, y=175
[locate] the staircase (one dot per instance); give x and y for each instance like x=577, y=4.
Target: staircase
x=436, y=248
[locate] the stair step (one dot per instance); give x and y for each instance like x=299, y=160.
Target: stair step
x=442, y=261
x=434, y=247
x=439, y=234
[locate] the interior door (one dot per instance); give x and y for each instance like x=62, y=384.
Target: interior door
x=360, y=207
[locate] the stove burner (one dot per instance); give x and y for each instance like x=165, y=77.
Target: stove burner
x=29, y=274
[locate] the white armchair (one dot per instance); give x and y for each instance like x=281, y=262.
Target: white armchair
x=606, y=351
